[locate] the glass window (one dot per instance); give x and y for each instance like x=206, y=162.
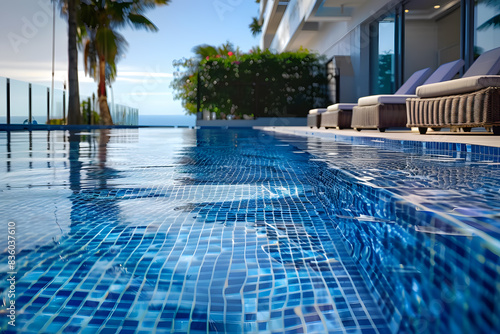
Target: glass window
x=333, y=77
x=382, y=55
x=3, y=100
x=487, y=26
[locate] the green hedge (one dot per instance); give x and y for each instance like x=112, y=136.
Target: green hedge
x=260, y=83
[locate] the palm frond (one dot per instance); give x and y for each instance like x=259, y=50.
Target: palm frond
x=141, y=5
x=90, y=59
x=205, y=50
x=492, y=22
x=491, y=3
x=87, y=16
x=99, y=22
x=225, y=48
x=141, y=22
x=255, y=26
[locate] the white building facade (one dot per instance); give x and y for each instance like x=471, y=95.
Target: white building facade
x=375, y=45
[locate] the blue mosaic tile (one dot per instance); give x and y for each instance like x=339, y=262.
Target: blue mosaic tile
x=130, y=231
x=417, y=242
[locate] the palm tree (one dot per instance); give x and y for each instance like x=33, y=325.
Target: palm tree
x=100, y=22
x=69, y=9
x=255, y=26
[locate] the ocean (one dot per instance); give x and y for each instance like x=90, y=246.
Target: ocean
x=152, y=120
x=167, y=120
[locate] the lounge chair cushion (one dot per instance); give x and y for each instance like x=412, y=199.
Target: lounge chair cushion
x=459, y=86
x=317, y=111
x=341, y=106
x=384, y=99
x=445, y=72
x=418, y=78
x=487, y=64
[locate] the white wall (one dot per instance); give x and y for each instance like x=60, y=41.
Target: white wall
x=350, y=38
x=420, y=46
x=448, y=37
x=428, y=43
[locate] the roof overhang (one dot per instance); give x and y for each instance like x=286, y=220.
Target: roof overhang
x=333, y=10
x=429, y=9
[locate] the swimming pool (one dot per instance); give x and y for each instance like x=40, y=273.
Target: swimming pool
x=230, y=231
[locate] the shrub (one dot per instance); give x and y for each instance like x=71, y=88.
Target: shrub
x=261, y=83
x=87, y=110
x=56, y=121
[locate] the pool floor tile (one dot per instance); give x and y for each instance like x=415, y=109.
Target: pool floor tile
x=177, y=231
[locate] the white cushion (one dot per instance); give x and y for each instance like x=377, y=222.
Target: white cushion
x=385, y=99
x=341, y=106
x=459, y=86
x=317, y=111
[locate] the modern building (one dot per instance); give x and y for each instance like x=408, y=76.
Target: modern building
x=374, y=45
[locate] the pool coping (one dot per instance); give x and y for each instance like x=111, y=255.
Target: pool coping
x=52, y=127
x=479, y=138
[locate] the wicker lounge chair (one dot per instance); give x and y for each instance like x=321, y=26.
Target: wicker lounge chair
x=471, y=101
x=338, y=115
x=314, y=117
x=385, y=111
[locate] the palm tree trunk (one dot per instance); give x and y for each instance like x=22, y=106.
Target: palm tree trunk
x=103, y=100
x=74, y=115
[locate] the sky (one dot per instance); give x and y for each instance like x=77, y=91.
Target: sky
x=146, y=70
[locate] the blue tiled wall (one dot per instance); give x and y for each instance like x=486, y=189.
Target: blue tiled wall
x=433, y=264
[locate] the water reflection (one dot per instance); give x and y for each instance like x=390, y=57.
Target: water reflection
x=9, y=150
x=89, y=202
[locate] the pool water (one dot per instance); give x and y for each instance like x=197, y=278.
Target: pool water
x=232, y=231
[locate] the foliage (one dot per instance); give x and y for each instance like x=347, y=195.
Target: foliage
x=87, y=110
x=114, y=44
x=204, y=50
x=385, y=74
x=255, y=26
x=57, y=121
x=262, y=83
x=99, y=23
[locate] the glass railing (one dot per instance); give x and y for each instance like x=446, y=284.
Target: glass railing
x=123, y=115
x=23, y=103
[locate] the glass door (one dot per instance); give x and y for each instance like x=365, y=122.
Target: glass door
x=487, y=26
x=382, y=55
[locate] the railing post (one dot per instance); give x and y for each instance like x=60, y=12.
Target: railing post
x=48, y=106
x=8, y=101
x=89, y=113
x=30, y=110
x=64, y=107
x=336, y=75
